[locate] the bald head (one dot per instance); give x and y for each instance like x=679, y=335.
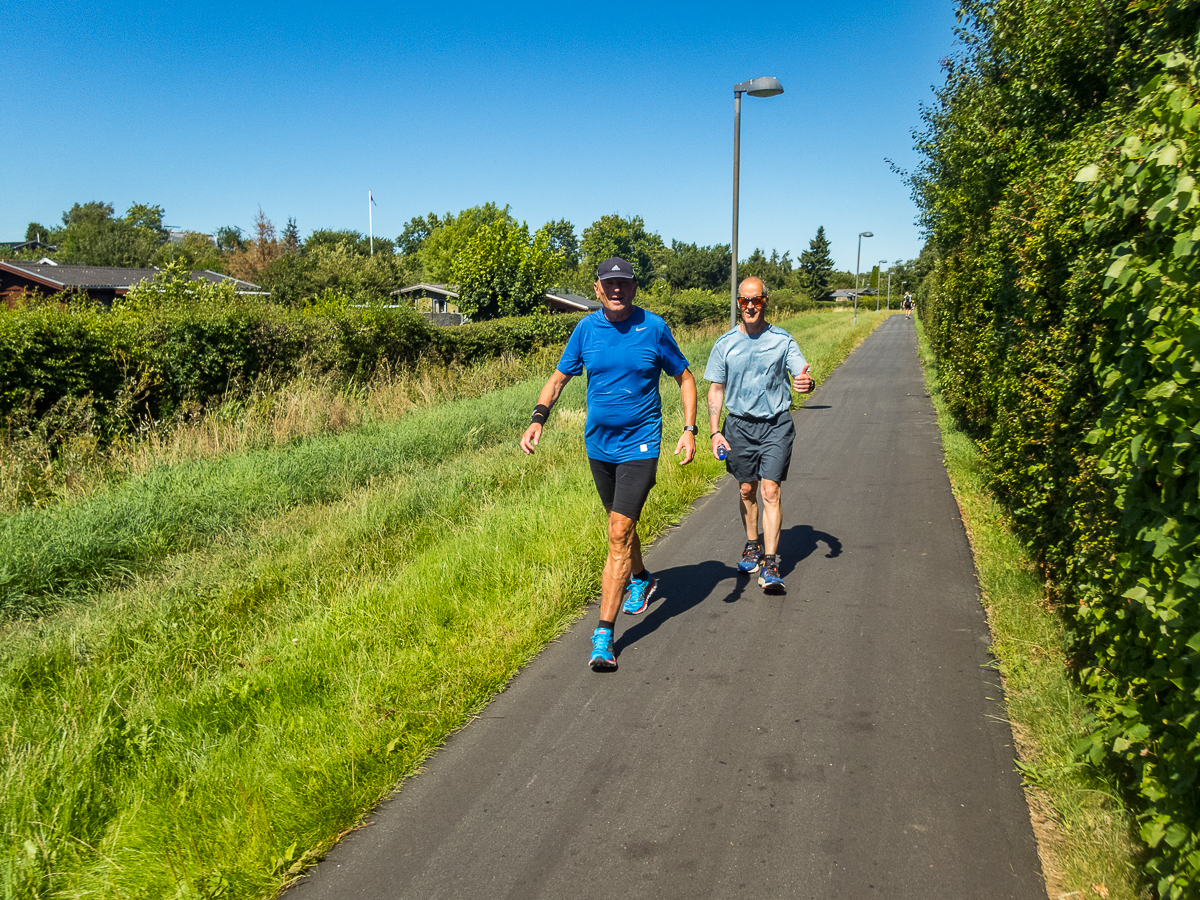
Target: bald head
x=752, y=287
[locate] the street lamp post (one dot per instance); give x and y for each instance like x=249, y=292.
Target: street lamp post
x=757, y=87
x=877, y=284
x=857, y=260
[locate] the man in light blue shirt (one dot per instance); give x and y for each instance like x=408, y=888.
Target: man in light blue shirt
x=748, y=368
x=624, y=349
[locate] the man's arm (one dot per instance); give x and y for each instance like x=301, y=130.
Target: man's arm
x=716, y=402
x=547, y=398
x=687, y=393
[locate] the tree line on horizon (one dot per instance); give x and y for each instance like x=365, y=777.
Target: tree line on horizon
x=497, y=265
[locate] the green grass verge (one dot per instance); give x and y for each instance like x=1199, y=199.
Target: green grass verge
x=295, y=633
x=1084, y=831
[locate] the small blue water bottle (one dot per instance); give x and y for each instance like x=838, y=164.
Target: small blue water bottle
x=721, y=452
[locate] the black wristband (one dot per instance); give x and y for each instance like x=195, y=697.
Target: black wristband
x=539, y=414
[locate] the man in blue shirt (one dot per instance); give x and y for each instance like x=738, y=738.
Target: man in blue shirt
x=748, y=368
x=624, y=349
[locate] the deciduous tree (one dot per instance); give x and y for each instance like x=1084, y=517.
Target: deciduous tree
x=563, y=240
x=627, y=238
x=502, y=272
x=39, y=232
x=412, y=239
x=195, y=251
x=229, y=237
x=689, y=266
x=445, y=243
x=356, y=241
x=341, y=267
x=91, y=235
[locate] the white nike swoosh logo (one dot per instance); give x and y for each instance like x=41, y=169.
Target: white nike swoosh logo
x=643, y=328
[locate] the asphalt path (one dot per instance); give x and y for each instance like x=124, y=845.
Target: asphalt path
x=846, y=739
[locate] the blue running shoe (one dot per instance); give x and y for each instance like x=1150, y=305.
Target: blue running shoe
x=768, y=577
x=602, y=650
x=751, y=558
x=640, y=593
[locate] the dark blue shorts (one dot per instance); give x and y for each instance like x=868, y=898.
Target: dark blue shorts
x=759, y=448
x=624, y=487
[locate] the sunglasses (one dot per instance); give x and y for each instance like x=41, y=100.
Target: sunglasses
x=751, y=301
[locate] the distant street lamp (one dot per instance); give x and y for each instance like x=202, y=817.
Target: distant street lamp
x=758, y=87
x=857, y=260
x=877, y=285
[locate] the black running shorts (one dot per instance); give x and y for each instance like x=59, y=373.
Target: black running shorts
x=759, y=448
x=624, y=487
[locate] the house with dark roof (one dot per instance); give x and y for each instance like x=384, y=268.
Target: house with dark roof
x=20, y=246
x=437, y=295
x=440, y=297
x=101, y=283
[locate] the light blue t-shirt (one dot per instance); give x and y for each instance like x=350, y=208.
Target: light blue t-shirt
x=754, y=370
x=623, y=362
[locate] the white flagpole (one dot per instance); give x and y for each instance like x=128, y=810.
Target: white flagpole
x=370, y=223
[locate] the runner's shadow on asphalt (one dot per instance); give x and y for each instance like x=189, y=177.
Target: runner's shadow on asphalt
x=799, y=542
x=683, y=587
x=680, y=589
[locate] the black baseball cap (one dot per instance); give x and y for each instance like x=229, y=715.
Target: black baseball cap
x=614, y=267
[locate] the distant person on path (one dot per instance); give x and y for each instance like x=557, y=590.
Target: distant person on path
x=748, y=368
x=908, y=305
x=623, y=348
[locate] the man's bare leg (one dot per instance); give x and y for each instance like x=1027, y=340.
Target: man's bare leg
x=772, y=516
x=624, y=558
x=748, y=506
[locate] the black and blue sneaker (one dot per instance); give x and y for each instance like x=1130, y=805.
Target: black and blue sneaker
x=751, y=558
x=640, y=592
x=768, y=578
x=602, y=650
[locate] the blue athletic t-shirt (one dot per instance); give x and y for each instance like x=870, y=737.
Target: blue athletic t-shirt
x=623, y=362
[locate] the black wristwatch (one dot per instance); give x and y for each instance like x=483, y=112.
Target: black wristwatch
x=692, y=428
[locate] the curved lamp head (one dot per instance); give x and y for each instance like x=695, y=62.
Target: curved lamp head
x=865, y=234
x=767, y=86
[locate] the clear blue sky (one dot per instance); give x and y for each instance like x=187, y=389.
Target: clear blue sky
x=560, y=110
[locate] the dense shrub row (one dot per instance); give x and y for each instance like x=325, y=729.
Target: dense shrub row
x=1059, y=188
x=170, y=346
x=175, y=344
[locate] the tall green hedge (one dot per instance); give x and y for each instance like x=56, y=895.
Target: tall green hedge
x=1059, y=190
x=1141, y=621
